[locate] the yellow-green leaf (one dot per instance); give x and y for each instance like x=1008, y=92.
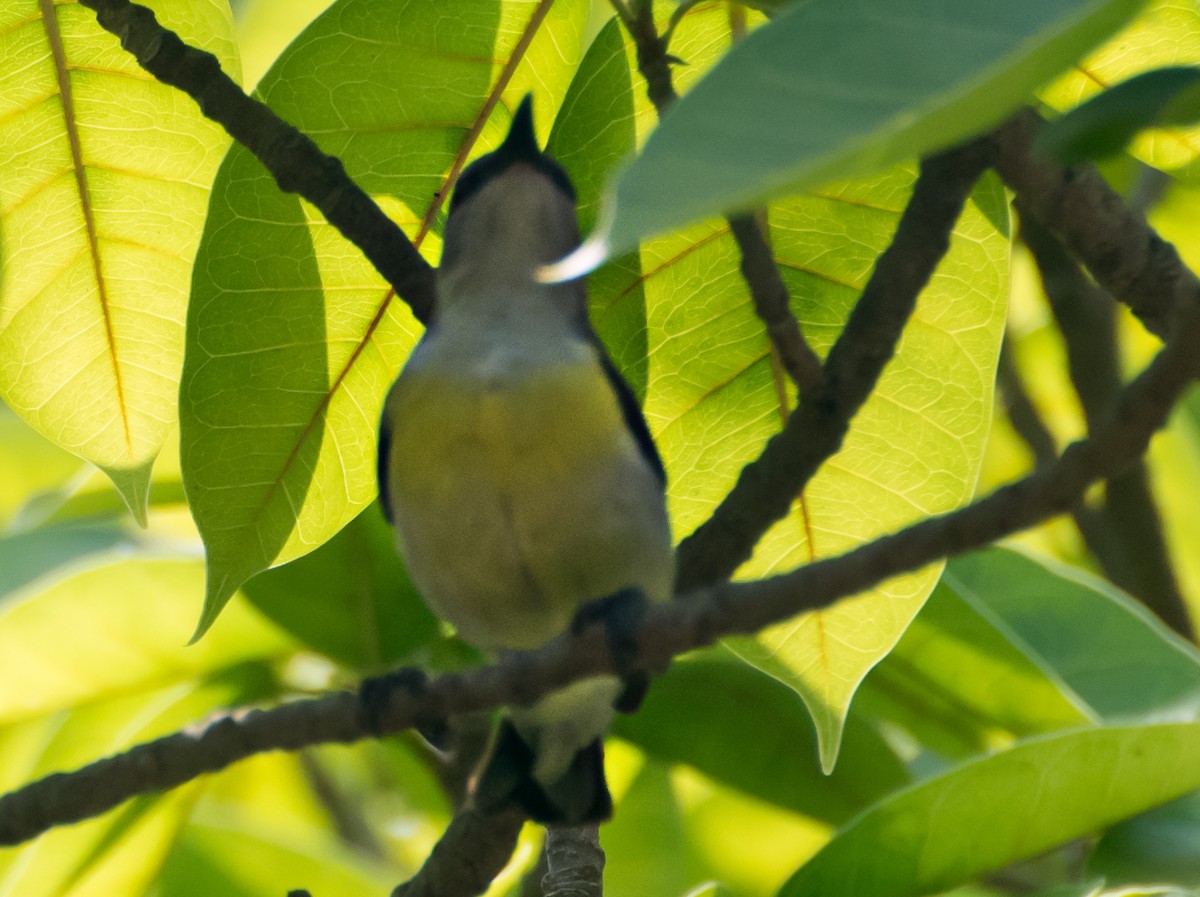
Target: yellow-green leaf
x=112, y=624
x=104, y=182
x=122, y=850
x=716, y=395
x=1166, y=33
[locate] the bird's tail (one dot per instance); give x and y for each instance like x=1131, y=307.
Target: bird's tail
x=577, y=797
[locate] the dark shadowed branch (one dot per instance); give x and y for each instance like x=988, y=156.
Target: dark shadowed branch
x=1022, y=413
x=1126, y=257
x=1032, y=430
x=467, y=857
x=1130, y=545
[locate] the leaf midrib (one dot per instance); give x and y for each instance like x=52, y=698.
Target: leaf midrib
x=62, y=74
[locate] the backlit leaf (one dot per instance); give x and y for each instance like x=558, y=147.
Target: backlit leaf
x=104, y=182
x=716, y=396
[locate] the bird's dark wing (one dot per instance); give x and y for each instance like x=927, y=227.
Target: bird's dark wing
x=381, y=463
x=630, y=410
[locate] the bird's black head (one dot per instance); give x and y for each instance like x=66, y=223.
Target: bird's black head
x=519, y=146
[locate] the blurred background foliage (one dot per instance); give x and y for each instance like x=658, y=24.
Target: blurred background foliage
x=718, y=780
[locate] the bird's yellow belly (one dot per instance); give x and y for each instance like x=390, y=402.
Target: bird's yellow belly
x=518, y=499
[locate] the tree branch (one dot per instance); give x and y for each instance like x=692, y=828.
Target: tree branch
x=768, y=485
x=667, y=630
x=473, y=850
x=1124, y=255
x=1022, y=413
x=772, y=302
x=294, y=160
x=1032, y=430
x=1132, y=549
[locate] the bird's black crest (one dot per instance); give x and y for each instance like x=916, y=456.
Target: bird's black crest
x=519, y=146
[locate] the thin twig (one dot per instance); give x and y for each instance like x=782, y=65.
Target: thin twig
x=1086, y=315
x=772, y=303
x=1022, y=413
x=475, y=847
x=294, y=160
x=768, y=485
x=769, y=293
x=1032, y=430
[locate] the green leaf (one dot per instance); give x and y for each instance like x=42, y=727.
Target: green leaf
x=1085, y=889
x=1101, y=644
x=743, y=728
x=1105, y=124
x=104, y=182
x=987, y=813
x=350, y=599
x=292, y=337
x=962, y=688
x=797, y=104
x=121, y=851
x=647, y=804
x=26, y=556
x=715, y=396
x=266, y=27
x=112, y=625
x=31, y=463
x=263, y=826
x=1162, y=845
x=1165, y=33
x=237, y=861
x=1175, y=455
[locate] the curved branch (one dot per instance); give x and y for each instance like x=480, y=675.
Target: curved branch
x=470, y=853
x=1131, y=548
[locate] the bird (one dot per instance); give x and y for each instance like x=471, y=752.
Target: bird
x=519, y=472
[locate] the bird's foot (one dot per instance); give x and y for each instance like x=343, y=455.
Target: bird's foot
x=375, y=696
x=622, y=614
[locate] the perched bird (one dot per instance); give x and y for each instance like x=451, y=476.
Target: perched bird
x=518, y=470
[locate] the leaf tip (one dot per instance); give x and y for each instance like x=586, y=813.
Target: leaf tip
x=829, y=740
x=133, y=485
x=217, y=594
